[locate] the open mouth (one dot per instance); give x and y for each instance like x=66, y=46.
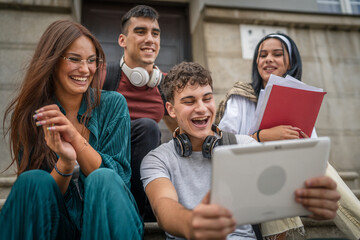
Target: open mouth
x=79, y=79
x=200, y=122
x=270, y=69
x=148, y=50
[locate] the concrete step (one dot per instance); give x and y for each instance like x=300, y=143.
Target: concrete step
x=5, y=186
x=321, y=229
x=152, y=231
x=2, y=202
x=356, y=192
x=314, y=230
x=351, y=178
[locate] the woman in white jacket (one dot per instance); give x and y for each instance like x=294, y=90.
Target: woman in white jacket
x=278, y=54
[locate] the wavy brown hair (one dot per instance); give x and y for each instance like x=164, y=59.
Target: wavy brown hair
x=27, y=142
x=183, y=74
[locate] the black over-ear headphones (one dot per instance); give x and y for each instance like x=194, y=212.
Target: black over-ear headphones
x=183, y=145
x=140, y=77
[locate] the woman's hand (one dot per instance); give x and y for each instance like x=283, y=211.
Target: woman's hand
x=58, y=131
x=64, y=139
x=52, y=117
x=280, y=132
x=64, y=149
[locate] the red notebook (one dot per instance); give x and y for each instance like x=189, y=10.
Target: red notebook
x=290, y=106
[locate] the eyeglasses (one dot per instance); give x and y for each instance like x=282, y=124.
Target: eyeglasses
x=92, y=62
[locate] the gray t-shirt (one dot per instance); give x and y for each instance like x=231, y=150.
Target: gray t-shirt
x=191, y=177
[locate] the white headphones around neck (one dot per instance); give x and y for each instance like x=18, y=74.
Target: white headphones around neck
x=140, y=77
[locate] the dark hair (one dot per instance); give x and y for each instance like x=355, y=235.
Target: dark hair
x=182, y=74
x=294, y=57
x=27, y=142
x=138, y=11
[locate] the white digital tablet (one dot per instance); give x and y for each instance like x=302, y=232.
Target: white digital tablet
x=257, y=182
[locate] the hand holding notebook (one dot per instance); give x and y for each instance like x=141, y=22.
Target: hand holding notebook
x=287, y=101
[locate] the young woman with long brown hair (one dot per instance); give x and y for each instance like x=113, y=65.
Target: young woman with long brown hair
x=71, y=144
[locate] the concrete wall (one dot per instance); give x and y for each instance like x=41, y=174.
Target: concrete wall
x=283, y=5
x=22, y=24
x=330, y=48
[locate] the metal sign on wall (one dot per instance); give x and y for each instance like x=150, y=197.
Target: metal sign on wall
x=251, y=34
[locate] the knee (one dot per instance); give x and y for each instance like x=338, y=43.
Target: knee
x=38, y=178
x=145, y=130
x=34, y=183
x=147, y=125
x=103, y=178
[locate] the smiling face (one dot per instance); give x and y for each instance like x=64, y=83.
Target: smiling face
x=272, y=59
x=194, y=109
x=142, y=42
x=73, y=79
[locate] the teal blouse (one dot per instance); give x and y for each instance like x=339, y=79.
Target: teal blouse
x=109, y=126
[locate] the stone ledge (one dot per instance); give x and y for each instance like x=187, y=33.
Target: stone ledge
x=49, y=3
x=325, y=229
x=356, y=192
x=2, y=202
x=314, y=230
x=48, y=6
x=7, y=181
x=348, y=175
x=287, y=19
x=152, y=231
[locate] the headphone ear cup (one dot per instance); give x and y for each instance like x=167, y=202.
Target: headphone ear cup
x=155, y=78
x=208, y=145
x=139, y=77
x=183, y=145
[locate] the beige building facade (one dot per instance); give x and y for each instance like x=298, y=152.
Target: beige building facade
x=329, y=45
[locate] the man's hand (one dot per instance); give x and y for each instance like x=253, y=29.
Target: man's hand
x=319, y=197
x=211, y=221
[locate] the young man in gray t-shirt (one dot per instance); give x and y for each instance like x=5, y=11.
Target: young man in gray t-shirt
x=176, y=175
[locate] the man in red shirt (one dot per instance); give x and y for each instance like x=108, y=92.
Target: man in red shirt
x=137, y=78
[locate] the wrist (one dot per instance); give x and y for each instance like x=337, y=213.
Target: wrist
x=79, y=144
x=189, y=231
x=258, y=135
x=64, y=168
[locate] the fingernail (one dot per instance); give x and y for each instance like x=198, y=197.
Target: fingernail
x=50, y=128
x=39, y=110
x=299, y=192
x=308, y=183
x=40, y=123
x=36, y=116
